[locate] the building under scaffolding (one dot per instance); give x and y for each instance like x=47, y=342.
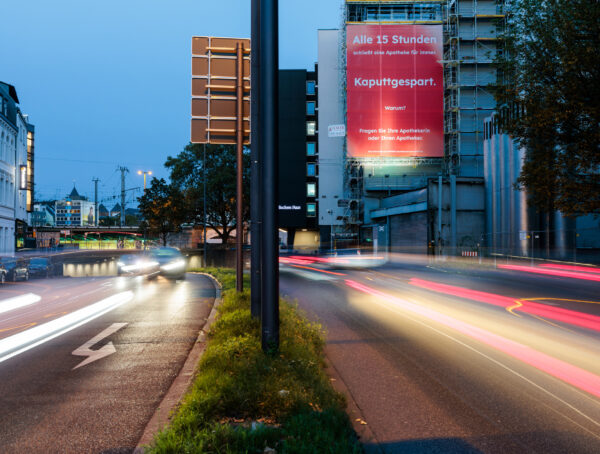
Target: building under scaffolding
x=351, y=202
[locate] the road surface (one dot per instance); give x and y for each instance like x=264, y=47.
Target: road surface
x=444, y=359
x=85, y=362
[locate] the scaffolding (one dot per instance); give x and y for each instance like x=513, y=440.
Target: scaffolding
x=471, y=32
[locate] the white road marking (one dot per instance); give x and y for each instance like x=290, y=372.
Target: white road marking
x=16, y=302
x=26, y=340
x=94, y=355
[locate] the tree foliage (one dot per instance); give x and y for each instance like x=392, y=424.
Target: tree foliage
x=550, y=100
x=163, y=208
x=187, y=174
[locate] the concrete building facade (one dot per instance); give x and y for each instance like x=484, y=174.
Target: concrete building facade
x=16, y=170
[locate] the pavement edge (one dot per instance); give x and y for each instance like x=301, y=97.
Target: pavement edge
x=365, y=434
x=183, y=381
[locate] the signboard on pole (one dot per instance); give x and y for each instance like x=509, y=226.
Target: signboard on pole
x=214, y=84
x=395, y=91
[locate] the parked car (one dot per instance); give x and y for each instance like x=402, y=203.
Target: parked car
x=40, y=267
x=2, y=274
x=16, y=269
x=172, y=263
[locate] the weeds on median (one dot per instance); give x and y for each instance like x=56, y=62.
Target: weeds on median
x=243, y=401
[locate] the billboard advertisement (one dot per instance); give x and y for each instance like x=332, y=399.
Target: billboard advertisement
x=395, y=105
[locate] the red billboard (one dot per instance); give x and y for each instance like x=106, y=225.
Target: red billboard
x=395, y=91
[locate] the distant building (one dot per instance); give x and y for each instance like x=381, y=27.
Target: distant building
x=103, y=211
x=16, y=170
x=43, y=215
x=298, y=158
x=74, y=211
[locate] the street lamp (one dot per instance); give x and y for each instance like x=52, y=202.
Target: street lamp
x=144, y=172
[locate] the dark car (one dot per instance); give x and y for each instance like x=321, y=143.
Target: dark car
x=40, y=267
x=16, y=269
x=172, y=263
x=137, y=265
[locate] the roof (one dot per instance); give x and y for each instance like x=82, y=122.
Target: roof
x=74, y=195
x=12, y=91
x=117, y=207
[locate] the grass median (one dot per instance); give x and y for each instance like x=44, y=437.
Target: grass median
x=243, y=401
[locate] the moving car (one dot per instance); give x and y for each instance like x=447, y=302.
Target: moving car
x=16, y=269
x=40, y=267
x=136, y=265
x=172, y=264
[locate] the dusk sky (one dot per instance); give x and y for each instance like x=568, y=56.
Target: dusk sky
x=107, y=84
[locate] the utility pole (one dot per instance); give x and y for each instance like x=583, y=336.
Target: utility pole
x=268, y=44
x=204, y=205
x=123, y=171
x=255, y=178
x=239, y=223
x=96, y=180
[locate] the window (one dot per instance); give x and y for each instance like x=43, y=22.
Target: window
x=310, y=87
x=311, y=169
x=311, y=189
x=310, y=108
x=311, y=128
x=311, y=210
x=311, y=148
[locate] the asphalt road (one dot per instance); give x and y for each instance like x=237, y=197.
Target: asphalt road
x=446, y=359
x=85, y=362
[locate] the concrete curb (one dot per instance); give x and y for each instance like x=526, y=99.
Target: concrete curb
x=365, y=434
x=184, y=379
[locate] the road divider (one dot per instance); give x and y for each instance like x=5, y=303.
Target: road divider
x=26, y=340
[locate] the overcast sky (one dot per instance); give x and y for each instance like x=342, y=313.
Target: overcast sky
x=107, y=83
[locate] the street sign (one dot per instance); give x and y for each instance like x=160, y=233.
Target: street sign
x=215, y=82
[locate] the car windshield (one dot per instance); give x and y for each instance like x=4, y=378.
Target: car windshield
x=166, y=253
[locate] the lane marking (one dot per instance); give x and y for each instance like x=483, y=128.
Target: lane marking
x=516, y=306
x=26, y=340
x=12, y=328
x=104, y=351
x=16, y=302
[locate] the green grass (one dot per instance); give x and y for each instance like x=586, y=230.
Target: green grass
x=243, y=400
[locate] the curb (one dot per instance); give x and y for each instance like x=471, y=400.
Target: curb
x=366, y=437
x=183, y=381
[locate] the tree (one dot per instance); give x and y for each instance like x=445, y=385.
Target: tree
x=549, y=97
x=162, y=207
x=187, y=174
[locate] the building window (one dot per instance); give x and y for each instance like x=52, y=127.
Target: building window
x=311, y=128
x=311, y=210
x=310, y=87
x=311, y=169
x=311, y=148
x=311, y=189
x=310, y=108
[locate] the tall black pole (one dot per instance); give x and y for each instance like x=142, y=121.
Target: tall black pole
x=255, y=192
x=269, y=73
x=239, y=138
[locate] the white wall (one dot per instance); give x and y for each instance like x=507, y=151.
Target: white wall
x=331, y=112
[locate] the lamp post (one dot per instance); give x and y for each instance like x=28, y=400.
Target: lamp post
x=330, y=212
x=144, y=172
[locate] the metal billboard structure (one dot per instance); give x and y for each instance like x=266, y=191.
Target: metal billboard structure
x=221, y=107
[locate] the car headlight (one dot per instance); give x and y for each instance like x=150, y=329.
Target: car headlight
x=179, y=264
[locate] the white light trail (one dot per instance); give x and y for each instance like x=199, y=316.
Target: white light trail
x=26, y=340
